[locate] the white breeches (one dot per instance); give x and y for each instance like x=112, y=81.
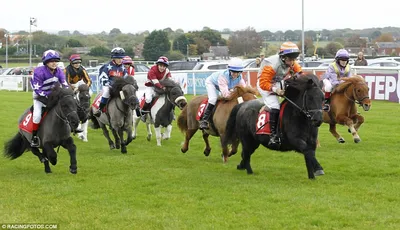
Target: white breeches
x=149, y=93
x=269, y=98
x=212, y=92
x=106, y=91
x=327, y=85
x=37, y=109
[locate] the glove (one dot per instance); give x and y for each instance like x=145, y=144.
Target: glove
x=280, y=92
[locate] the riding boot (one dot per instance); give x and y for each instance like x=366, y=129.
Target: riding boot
x=206, y=117
x=273, y=124
x=100, y=110
x=145, y=110
x=35, y=139
x=327, y=102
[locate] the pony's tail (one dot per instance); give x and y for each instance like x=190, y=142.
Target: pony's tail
x=95, y=123
x=15, y=147
x=230, y=130
x=182, y=120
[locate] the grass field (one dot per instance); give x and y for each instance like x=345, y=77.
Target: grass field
x=161, y=188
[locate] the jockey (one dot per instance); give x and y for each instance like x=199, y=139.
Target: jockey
x=107, y=73
x=156, y=73
x=44, y=78
x=222, y=81
x=273, y=71
x=128, y=64
x=336, y=70
x=75, y=73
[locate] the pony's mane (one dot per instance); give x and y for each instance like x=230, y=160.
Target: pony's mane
x=120, y=83
x=303, y=82
x=167, y=82
x=83, y=88
x=239, y=91
x=347, y=81
x=57, y=93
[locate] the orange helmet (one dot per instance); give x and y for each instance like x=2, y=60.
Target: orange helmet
x=289, y=49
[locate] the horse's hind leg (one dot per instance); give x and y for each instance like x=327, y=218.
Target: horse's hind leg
x=332, y=129
x=158, y=135
x=249, y=145
x=188, y=135
x=207, y=149
x=225, y=150
x=83, y=135
x=136, y=121
x=42, y=159
x=167, y=133
x=349, y=122
x=149, y=133
x=71, y=147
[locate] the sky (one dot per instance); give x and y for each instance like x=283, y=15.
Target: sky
x=89, y=16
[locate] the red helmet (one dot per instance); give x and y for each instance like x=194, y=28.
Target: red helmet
x=163, y=60
x=75, y=57
x=127, y=60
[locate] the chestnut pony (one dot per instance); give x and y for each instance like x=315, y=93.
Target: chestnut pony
x=188, y=124
x=352, y=91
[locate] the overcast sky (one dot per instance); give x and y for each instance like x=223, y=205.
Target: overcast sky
x=140, y=15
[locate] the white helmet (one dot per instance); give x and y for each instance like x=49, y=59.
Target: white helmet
x=236, y=65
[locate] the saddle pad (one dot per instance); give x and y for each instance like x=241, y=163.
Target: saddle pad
x=200, y=110
x=96, y=102
x=27, y=123
x=262, y=124
x=142, y=101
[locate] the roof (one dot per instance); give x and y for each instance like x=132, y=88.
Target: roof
x=388, y=45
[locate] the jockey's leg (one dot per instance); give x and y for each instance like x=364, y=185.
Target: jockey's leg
x=212, y=100
x=37, y=116
x=103, y=101
x=273, y=123
x=272, y=104
x=328, y=90
x=148, y=95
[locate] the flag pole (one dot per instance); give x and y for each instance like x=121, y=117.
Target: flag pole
x=30, y=42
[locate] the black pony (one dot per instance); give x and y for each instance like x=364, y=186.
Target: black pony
x=298, y=129
x=55, y=130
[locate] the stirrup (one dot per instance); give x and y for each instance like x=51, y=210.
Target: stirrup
x=35, y=142
x=97, y=113
x=203, y=125
x=326, y=108
x=143, y=117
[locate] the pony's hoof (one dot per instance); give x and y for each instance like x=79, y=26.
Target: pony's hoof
x=133, y=137
x=47, y=171
x=341, y=140
x=159, y=144
x=112, y=147
x=148, y=138
x=348, y=130
x=73, y=171
x=183, y=150
x=207, y=152
x=53, y=161
x=239, y=167
x=123, y=150
x=356, y=140
x=319, y=172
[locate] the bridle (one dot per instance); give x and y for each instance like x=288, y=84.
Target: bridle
x=65, y=118
x=174, y=102
x=355, y=100
x=304, y=108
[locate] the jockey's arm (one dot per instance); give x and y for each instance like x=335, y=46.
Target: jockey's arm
x=62, y=80
x=223, y=86
x=266, y=76
x=86, y=78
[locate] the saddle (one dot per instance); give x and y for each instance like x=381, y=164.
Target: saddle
x=262, y=124
x=26, y=123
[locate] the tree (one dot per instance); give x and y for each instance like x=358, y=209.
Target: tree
x=64, y=33
x=115, y=32
x=332, y=47
x=175, y=55
x=355, y=41
x=76, y=33
x=387, y=37
x=180, y=44
x=374, y=35
x=156, y=45
x=74, y=43
x=99, y=51
x=245, y=42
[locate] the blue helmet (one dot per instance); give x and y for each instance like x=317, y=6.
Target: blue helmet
x=118, y=52
x=50, y=55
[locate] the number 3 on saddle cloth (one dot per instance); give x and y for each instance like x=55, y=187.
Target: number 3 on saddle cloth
x=96, y=102
x=26, y=124
x=262, y=124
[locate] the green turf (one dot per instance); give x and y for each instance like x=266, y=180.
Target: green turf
x=161, y=188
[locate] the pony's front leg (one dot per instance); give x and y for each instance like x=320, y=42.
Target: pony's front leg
x=149, y=133
x=135, y=122
x=358, y=120
x=84, y=127
x=107, y=136
x=42, y=159
x=50, y=153
x=117, y=139
x=207, y=149
x=121, y=138
x=71, y=147
x=189, y=134
x=158, y=135
x=349, y=122
x=332, y=129
x=167, y=133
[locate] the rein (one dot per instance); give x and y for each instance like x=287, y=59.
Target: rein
x=64, y=119
x=304, y=110
x=356, y=101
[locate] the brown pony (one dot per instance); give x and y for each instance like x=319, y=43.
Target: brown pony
x=188, y=124
x=354, y=90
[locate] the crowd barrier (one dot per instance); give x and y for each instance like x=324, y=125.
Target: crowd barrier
x=383, y=82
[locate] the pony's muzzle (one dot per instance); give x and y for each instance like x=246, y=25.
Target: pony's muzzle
x=181, y=102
